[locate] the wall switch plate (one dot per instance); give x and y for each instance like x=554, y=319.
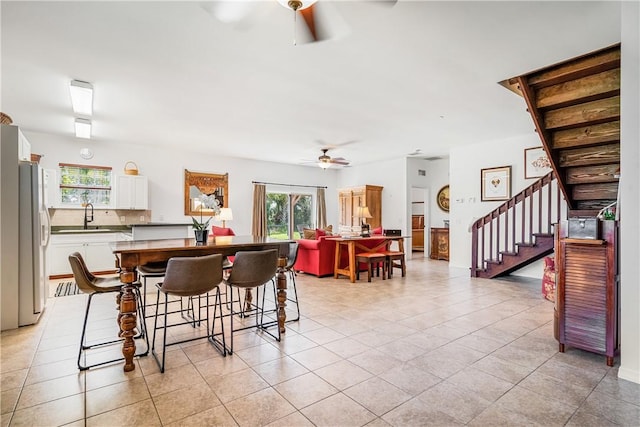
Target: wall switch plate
x=122, y=218
x=141, y=217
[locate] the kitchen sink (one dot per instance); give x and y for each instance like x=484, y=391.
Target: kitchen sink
x=89, y=230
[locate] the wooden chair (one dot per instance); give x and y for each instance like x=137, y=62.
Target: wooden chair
x=371, y=259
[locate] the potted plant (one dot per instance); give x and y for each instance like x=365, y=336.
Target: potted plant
x=201, y=228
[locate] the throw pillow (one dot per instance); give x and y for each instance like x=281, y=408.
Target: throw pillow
x=329, y=230
x=221, y=231
x=377, y=230
x=308, y=233
x=320, y=233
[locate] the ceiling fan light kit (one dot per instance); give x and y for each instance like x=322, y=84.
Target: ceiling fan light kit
x=296, y=4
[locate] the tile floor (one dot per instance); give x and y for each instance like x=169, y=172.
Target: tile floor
x=434, y=348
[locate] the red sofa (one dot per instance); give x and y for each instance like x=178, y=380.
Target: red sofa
x=317, y=257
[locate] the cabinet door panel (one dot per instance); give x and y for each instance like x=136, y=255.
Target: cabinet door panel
x=58, y=257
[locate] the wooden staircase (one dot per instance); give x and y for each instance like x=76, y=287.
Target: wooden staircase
x=518, y=232
x=575, y=106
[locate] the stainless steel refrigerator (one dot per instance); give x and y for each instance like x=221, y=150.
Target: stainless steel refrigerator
x=24, y=232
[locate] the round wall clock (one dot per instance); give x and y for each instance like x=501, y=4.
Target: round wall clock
x=443, y=198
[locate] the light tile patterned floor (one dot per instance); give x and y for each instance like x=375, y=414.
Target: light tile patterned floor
x=434, y=348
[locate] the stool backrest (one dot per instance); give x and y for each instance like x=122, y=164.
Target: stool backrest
x=190, y=276
x=81, y=274
x=293, y=255
x=253, y=268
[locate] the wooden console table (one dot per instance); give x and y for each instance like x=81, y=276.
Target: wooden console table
x=351, y=243
x=130, y=254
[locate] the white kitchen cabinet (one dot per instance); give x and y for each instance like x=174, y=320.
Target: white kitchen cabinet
x=132, y=192
x=95, y=249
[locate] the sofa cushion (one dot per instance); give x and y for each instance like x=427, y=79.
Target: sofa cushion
x=320, y=233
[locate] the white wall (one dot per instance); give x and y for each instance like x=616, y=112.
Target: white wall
x=438, y=177
x=165, y=171
x=465, y=198
x=391, y=175
x=630, y=195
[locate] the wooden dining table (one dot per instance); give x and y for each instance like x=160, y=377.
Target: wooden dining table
x=131, y=254
x=362, y=244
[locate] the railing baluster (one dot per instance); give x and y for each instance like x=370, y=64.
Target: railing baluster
x=506, y=230
x=491, y=240
x=498, y=237
x=513, y=228
x=493, y=225
x=522, y=219
x=540, y=208
x=549, y=222
x=482, y=248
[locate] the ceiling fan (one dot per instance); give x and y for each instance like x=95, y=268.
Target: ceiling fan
x=325, y=161
x=318, y=23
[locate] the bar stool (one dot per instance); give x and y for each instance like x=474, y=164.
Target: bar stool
x=190, y=277
x=291, y=273
x=92, y=285
x=153, y=269
x=371, y=259
x=251, y=269
x=391, y=257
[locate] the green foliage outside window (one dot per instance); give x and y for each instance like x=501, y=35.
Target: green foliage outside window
x=80, y=185
x=279, y=212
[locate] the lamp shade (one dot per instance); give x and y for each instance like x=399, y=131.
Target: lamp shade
x=225, y=214
x=362, y=212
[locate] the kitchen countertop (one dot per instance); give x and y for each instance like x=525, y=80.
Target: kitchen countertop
x=163, y=224
x=72, y=229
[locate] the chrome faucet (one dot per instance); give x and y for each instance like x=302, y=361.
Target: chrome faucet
x=87, y=218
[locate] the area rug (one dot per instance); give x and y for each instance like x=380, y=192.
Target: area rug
x=66, y=288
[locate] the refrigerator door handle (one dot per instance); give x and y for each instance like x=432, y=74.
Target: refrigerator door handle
x=45, y=225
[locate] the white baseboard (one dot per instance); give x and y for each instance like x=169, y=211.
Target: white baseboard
x=629, y=375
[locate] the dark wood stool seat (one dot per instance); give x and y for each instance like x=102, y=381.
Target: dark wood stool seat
x=371, y=259
x=390, y=260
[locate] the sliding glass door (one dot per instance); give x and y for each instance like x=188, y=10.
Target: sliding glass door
x=288, y=214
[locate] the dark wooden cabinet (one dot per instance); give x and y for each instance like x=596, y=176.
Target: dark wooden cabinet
x=439, y=244
x=587, y=293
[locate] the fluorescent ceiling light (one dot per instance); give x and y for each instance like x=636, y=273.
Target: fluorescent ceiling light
x=83, y=128
x=81, y=97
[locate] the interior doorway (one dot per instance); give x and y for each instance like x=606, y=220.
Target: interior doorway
x=420, y=222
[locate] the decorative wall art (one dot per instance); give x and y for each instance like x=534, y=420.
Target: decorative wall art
x=536, y=162
x=443, y=198
x=496, y=183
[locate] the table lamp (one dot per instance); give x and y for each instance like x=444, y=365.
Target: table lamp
x=225, y=215
x=363, y=213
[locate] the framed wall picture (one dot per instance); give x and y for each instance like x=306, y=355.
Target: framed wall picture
x=495, y=183
x=536, y=162
x=443, y=198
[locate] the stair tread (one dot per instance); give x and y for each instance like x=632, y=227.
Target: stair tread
x=509, y=253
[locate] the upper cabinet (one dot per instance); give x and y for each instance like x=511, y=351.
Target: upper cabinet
x=349, y=199
x=132, y=192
